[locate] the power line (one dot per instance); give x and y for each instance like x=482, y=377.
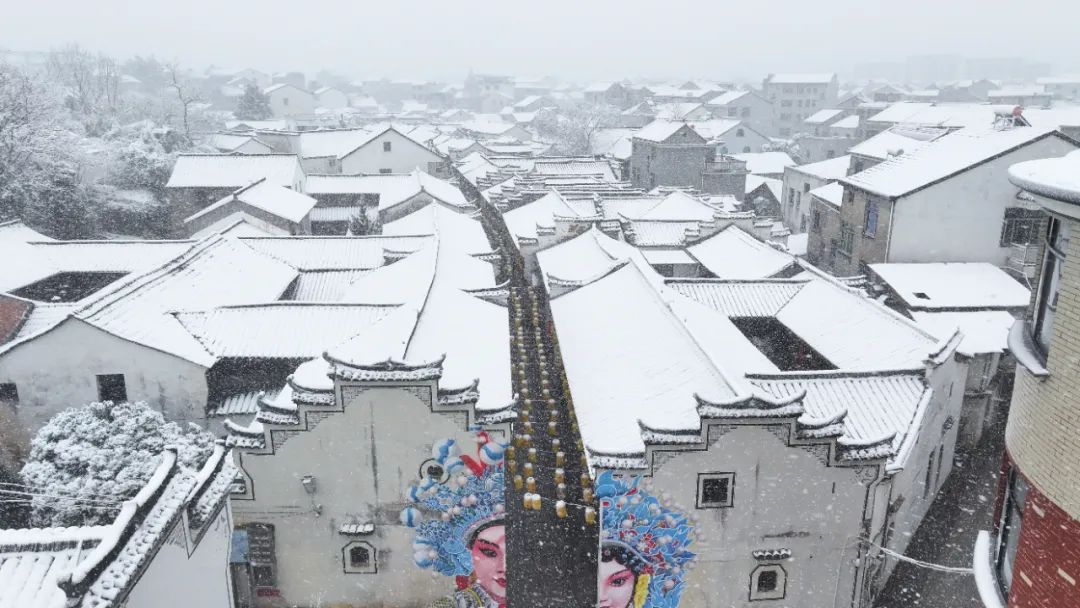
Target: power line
x=4, y=492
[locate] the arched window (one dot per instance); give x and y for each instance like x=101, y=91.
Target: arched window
x=746, y=149
x=740, y=133
x=359, y=557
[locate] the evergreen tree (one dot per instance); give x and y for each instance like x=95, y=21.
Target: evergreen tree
x=90, y=458
x=253, y=105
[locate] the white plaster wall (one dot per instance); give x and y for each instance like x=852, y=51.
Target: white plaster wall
x=57, y=370
x=960, y=219
x=784, y=497
x=175, y=579
x=362, y=459
x=300, y=102
x=947, y=384
x=404, y=156
x=735, y=144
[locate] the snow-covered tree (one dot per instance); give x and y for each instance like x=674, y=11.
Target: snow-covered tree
x=571, y=129
x=253, y=105
x=360, y=225
x=86, y=459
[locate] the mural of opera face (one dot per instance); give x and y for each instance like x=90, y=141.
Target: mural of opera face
x=489, y=561
x=617, y=582
x=644, y=540
x=457, y=510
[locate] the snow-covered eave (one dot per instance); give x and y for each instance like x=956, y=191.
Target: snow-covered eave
x=389, y=370
x=78, y=580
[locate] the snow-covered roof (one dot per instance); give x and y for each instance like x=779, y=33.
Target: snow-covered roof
x=617, y=384
x=878, y=407
x=804, y=78
x=311, y=253
x=946, y=157
x=832, y=193
x=765, y=163
x=523, y=221
x=392, y=188
x=851, y=331
x=32, y=560
x=676, y=110
x=677, y=206
x=99, y=564
x=574, y=166
x=585, y=257
x=741, y=298
x=227, y=142
x=848, y=122
x=333, y=142
x=660, y=233
x=734, y=254
x=832, y=168
x=215, y=272
x=775, y=186
x=956, y=115
x=271, y=198
x=1055, y=178
x=823, y=116
x=984, y=331
x=953, y=286
x=281, y=85
x=726, y=98
x=257, y=331
x=660, y=130
x=895, y=140
x=717, y=128
x=458, y=231
x=234, y=170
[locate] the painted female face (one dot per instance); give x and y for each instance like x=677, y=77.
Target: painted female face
x=489, y=561
x=615, y=588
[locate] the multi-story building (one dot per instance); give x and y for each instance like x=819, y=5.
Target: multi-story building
x=949, y=201
x=1032, y=557
x=795, y=97
x=667, y=153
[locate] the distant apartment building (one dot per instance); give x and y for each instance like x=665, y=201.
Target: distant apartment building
x=796, y=97
x=750, y=107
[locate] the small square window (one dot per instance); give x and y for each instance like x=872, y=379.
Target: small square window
x=386, y=146
x=111, y=387
x=9, y=393
x=715, y=490
x=768, y=582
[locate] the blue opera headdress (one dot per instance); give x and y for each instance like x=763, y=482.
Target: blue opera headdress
x=653, y=535
x=456, y=497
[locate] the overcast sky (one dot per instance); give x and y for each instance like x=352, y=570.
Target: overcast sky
x=573, y=39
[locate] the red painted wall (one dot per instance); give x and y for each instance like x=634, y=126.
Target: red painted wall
x=1049, y=541
x=13, y=312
